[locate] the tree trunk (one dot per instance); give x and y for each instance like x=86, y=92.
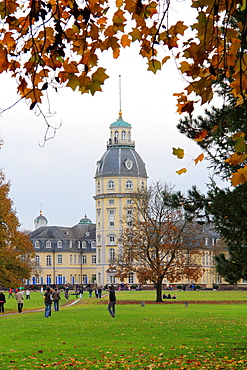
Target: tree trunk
x=158, y=287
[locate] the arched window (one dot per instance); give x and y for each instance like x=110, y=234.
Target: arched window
x=48, y=260
x=116, y=134
x=84, y=244
x=123, y=135
x=59, y=244
x=93, y=245
x=129, y=184
x=111, y=255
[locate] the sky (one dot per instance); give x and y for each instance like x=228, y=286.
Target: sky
x=58, y=177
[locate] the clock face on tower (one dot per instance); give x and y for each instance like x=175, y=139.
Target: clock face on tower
x=128, y=163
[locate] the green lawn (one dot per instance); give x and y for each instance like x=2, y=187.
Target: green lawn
x=83, y=336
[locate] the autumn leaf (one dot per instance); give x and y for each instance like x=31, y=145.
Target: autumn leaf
x=239, y=177
x=154, y=65
x=183, y=170
x=236, y=158
x=199, y=158
x=125, y=41
x=201, y=135
x=178, y=152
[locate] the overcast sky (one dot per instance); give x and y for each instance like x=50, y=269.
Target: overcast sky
x=60, y=175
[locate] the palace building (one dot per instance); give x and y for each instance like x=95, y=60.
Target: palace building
x=81, y=254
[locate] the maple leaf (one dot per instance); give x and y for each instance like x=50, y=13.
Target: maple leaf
x=154, y=65
x=125, y=41
x=183, y=170
x=199, y=158
x=178, y=152
x=3, y=59
x=236, y=158
x=201, y=135
x=239, y=177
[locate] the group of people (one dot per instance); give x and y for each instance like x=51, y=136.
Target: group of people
x=52, y=296
x=168, y=296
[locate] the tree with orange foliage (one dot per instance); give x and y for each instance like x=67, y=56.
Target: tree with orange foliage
x=158, y=242
x=16, y=249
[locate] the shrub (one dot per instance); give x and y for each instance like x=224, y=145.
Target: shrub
x=133, y=286
x=179, y=287
x=197, y=287
x=215, y=286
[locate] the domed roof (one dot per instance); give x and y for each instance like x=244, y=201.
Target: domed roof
x=121, y=161
x=120, y=123
x=41, y=219
x=85, y=220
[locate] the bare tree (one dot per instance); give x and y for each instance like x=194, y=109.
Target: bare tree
x=158, y=242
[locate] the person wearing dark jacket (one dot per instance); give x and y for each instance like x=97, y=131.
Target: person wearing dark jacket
x=56, y=297
x=2, y=301
x=112, y=301
x=48, y=302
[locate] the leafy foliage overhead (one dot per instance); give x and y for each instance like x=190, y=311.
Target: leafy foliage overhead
x=49, y=43
x=46, y=43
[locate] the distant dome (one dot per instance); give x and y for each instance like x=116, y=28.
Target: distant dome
x=40, y=221
x=85, y=221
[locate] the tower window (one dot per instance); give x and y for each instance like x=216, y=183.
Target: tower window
x=111, y=239
x=110, y=184
x=129, y=184
x=111, y=255
x=123, y=135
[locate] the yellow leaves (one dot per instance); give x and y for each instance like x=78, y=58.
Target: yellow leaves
x=239, y=177
x=236, y=158
x=119, y=3
x=180, y=172
x=178, y=152
x=125, y=41
x=199, y=158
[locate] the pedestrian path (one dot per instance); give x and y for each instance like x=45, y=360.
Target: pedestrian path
x=37, y=310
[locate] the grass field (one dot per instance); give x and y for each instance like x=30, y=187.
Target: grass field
x=83, y=336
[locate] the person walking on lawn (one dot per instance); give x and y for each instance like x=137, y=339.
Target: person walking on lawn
x=20, y=299
x=112, y=301
x=2, y=301
x=48, y=302
x=56, y=297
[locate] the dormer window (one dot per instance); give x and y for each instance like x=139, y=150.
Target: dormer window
x=48, y=244
x=36, y=244
x=59, y=244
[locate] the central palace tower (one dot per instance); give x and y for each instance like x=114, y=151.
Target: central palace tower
x=119, y=173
